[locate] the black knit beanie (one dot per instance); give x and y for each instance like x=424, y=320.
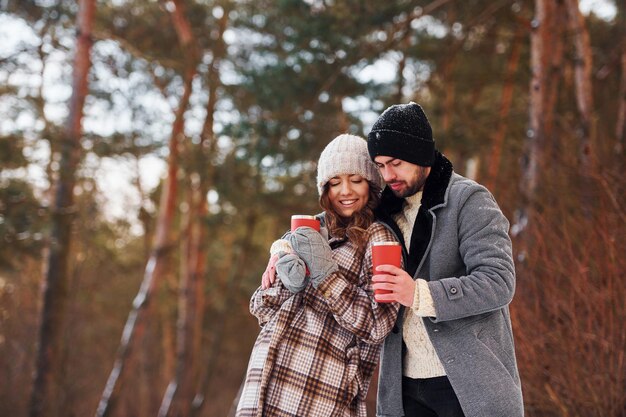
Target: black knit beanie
x=403, y=132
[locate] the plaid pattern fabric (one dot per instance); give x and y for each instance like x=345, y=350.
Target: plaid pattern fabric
x=317, y=349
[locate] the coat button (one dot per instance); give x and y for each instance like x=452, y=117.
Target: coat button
x=453, y=290
x=395, y=329
x=436, y=330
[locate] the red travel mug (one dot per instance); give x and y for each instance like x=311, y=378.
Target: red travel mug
x=385, y=253
x=302, y=220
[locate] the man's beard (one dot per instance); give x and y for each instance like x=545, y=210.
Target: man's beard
x=416, y=184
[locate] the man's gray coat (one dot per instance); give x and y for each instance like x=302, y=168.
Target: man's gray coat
x=460, y=244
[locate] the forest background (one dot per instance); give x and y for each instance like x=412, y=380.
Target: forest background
x=150, y=151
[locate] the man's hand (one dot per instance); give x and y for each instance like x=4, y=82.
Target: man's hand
x=396, y=280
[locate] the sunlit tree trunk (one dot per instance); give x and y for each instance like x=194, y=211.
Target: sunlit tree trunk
x=160, y=247
x=45, y=395
x=198, y=233
x=181, y=390
x=541, y=38
x=472, y=167
x=154, y=266
x=505, y=107
x=449, y=84
x=205, y=172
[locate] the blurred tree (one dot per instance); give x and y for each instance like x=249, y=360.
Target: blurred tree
x=583, y=67
x=46, y=398
x=497, y=138
x=181, y=391
x=545, y=39
x=194, y=245
x=162, y=240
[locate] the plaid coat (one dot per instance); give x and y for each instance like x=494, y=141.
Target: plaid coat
x=317, y=349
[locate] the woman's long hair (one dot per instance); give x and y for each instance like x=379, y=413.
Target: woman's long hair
x=353, y=228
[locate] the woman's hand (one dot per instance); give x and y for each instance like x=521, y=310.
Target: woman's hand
x=314, y=250
x=269, y=276
x=291, y=270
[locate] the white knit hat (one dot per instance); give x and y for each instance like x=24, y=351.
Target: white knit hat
x=346, y=154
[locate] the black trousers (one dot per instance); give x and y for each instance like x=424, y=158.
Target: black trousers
x=430, y=397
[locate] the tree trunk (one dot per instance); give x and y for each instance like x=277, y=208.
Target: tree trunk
x=205, y=171
x=554, y=54
x=448, y=81
x=153, y=268
x=240, y=259
x=584, y=88
x=449, y=96
x=161, y=246
x=194, y=248
x=497, y=141
x=539, y=113
x=620, y=126
x=181, y=390
x=399, y=97
x=45, y=398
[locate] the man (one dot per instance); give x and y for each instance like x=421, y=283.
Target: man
x=451, y=352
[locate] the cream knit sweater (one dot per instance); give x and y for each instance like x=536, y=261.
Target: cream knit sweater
x=420, y=360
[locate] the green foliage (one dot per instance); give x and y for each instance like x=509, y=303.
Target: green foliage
x=11, y=155
x=22, y=221
x=134, y=22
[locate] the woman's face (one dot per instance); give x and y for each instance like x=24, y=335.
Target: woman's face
x=348, y=193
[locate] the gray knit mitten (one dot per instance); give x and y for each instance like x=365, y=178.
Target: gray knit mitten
x=315, y=252
x=291, y=270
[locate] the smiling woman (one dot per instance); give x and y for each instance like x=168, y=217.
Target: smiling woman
x=348, y=193
x=348, y=185
x=321, y=330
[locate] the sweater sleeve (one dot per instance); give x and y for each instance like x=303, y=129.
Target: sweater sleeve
x=423, y=304
x=353, y=306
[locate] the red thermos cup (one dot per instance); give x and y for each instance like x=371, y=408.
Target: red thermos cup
x=385, y=253
x=302, y=220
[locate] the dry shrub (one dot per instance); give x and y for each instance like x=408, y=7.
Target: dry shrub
x=570, y=308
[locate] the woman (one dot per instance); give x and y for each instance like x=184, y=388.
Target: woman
x=321, y=332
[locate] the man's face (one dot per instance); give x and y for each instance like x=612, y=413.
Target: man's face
x=404, y=178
